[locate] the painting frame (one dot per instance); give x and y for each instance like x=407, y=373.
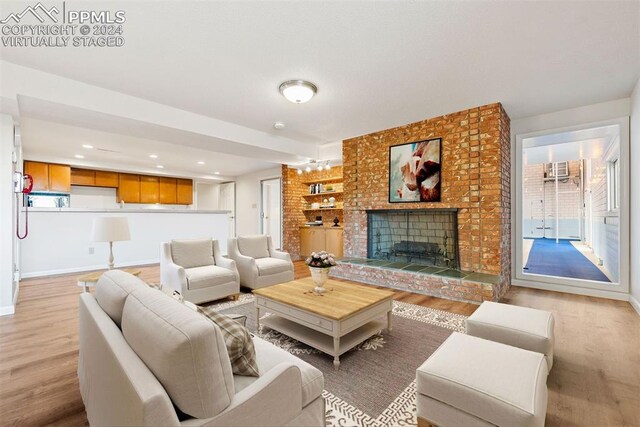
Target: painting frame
x=397, y=190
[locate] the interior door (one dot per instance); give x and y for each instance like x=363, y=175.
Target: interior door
x=228, y=203
x=271, y=210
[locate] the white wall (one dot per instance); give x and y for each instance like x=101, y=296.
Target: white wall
x=60, y=241
x=207, y=195
x=248, y=200
x=635, y=197
x=7, y=207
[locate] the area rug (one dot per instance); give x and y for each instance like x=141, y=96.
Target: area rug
x=375, y=385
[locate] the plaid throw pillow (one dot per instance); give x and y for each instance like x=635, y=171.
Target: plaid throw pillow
x=238, y=340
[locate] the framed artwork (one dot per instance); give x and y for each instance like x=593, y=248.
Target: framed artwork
x=414, y=171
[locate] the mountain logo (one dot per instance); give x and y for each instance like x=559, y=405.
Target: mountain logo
x=36, y=11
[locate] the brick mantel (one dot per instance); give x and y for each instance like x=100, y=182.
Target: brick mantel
x=475, y=180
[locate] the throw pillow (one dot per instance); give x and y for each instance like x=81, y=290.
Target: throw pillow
x=237, y=338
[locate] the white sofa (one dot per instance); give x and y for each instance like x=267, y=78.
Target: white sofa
x=143, y=354
x=197, y=270
x=259, y=264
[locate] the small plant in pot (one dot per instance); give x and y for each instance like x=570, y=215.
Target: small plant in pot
x=319, y=264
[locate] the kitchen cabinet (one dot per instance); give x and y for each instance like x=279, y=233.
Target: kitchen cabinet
x=86, y=177
x=106, y=179
x=149, y=189
x=184, y=191
x=49, y=176
x=333, y=240
x=168, y=190
x=128, y=188
x=40, y=174
x=315, y=239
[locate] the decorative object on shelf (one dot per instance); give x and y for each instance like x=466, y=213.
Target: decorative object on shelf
x=414, y=171
x=110, y=229
x=319, y=264
x=329, y=187
x=336, y=221
x=332, y=201
x=315, y=205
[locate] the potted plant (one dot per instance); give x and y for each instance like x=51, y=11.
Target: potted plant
x=319, y=264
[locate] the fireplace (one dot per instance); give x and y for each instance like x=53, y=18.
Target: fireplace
x=427, y=236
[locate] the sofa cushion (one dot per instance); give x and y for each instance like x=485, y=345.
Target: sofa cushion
x=192, y=253
x=207, y=276
x=237, y=338
x=495, y=382
x=268, y=356
x=112, y=290
x=185, y=351
x=269, y=266
x=254, y=246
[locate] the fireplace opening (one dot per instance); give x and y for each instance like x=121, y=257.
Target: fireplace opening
x=427, y=237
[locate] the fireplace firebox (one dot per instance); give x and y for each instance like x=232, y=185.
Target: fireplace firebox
x=426, y=236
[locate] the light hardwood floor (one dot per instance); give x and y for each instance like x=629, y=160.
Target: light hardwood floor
x=595, y=380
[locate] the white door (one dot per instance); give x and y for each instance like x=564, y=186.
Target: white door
x=228, y=203
x=271, y=210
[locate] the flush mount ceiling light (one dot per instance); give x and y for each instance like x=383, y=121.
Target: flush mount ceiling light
x=298, y=91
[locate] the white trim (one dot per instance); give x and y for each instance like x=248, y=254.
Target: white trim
x=634, y=303
x=571, y=289
x=7, y=310
x=88, y=268
x=622, y=288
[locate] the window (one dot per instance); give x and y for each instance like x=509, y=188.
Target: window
x=613, y=185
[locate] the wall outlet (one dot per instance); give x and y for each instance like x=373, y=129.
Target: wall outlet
x=92, y=250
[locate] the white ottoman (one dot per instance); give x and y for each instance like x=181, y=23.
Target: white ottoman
x=522, y=327
x=470, y=381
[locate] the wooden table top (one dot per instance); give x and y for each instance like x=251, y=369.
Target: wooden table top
x=95, y=276
x=341, y=300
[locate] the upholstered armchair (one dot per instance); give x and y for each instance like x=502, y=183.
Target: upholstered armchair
x=197, y=270
x=259, y=264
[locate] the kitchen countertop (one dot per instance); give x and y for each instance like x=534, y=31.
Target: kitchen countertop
x=127, y=210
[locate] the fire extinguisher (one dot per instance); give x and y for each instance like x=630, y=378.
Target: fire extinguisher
x=22, y=184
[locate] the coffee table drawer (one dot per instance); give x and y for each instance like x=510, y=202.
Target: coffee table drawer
x=300, y=315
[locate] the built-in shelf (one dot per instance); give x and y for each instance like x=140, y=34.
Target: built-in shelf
x=323, y=180
x=326, y=193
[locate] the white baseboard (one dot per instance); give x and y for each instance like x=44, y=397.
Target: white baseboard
x=622, y=296
x=7, y=310
x=85, y=268
x=634, y=303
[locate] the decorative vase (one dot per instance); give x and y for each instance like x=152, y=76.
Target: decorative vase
x=319, y=275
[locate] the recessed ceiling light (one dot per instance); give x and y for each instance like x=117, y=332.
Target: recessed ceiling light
x=298, y=91
x=153, y=156
x=79, y=156
x=308, y=169
x=160, y=167
x=299, y=171
x=201, y=162
x=216, y=173
x=327, y=166
x=278, y=125
x=87, y=146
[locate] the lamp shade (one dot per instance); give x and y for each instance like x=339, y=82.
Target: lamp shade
x=110, y=229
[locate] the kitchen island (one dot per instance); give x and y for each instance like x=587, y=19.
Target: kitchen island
x=59, y=239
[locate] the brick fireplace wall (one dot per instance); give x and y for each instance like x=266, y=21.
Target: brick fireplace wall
x=475, y=179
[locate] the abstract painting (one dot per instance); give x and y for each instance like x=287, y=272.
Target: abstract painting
x=414, y=172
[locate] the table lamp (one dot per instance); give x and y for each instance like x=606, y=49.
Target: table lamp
x=110, y=229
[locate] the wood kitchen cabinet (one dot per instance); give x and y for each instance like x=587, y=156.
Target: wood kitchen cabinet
x=106, y=179
x=49, y=176
x=86, y=177
x=40, y=174
x=128, y=188
x=168, y=190
x=149, y=189
x=315, y=239
x=184, y=191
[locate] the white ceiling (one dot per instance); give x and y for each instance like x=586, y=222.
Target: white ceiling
x=376, y=64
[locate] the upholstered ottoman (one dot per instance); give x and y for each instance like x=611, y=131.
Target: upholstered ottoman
x=470, y=381
x=522, y=327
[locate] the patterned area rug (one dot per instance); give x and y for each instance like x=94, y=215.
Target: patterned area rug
x=375, y=385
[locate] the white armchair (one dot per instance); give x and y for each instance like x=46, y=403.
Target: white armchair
x=259, y=264
x=197, y=270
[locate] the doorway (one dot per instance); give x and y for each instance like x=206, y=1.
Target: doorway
x=571, y=214
x=227, y=202
x=271, y=210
